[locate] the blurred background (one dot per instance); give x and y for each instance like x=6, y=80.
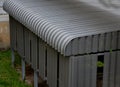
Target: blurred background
x=4, y=28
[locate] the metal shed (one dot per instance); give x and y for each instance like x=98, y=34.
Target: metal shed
x=63, y=41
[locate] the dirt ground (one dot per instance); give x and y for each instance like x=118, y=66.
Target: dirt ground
x=29, y=79
x=4, y=35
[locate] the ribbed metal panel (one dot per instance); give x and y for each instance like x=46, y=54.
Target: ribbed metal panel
x=118, y=40
x=20, y=39
x=73, y=72
x=117, y=75
x=101, y=42
x=17, y=37
x=112, y=69
x=79, y=71
x=108, y=41
x=88, y=46
x=42, y=58
x=111, y=75
x=63, y=24
x=27, y=46
x=64, y=71
x=34, y=50
x=95, y=43
x=82, y=45
x=90, y=68
x=87, y=72
x=13, y=33
x=52, y=67
x=106, y=70
x=93, y=70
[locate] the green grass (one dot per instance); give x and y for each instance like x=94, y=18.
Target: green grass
x=9, y=77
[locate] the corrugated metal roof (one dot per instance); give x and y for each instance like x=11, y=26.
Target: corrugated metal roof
x=60, y=22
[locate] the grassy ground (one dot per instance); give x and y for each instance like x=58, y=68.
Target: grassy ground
x=9, y=77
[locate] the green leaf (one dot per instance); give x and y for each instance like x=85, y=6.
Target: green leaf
x=100, y=64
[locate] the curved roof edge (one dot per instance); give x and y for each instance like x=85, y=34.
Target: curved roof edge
x=64, y=42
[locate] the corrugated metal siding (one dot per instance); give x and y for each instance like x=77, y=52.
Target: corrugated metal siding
x=42, y=59
x=117, y=76
x=77, y=70
x=118, y=40
x=94, y=43
x=52, y=67
x=111, y=65
x=64, y=71
x=62, y=40
x=34, y=50
x=13, y=33
x=60, y=22
x=20, y=39
x=27, y=46
x=80, y=71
